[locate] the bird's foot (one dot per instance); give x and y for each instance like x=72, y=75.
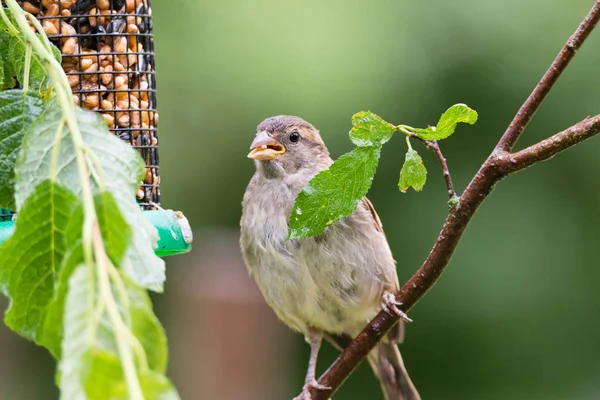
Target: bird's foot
x=390, y=305
x=305, y=395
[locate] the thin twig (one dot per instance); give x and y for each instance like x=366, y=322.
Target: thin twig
x=548, y=148
x=535, y=99
x=498, y=165
x=435, y=148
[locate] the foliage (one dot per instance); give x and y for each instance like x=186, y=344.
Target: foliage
x=78, y=266
x=334, y=193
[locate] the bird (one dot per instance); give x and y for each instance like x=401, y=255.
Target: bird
x=326, y=286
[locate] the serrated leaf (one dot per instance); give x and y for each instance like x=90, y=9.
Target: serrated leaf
x=91, y=367
x=123, y=170
x=448, y=121
x=413, y=173
x=31, y=258
x=116, y=235
x=103, y=379
x=18, y=110
x=334, y=193
x=369, y=129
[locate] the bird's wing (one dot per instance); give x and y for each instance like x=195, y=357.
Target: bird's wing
x=376, y=220
x=397, y=332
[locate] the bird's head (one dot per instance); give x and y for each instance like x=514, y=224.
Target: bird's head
x=286, y=144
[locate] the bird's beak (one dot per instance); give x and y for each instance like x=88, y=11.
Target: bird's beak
x=264, y=147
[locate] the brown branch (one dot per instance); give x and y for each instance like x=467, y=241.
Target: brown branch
x=548, y=148
x=535, y=99
x=499, y=164
x=435, y=148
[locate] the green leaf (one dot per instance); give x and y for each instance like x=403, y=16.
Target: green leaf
x=116, y=235
x=369, y=129
x=6, y=68
x=13, y=49
x=413, y=172
x=123, y=170
x=334, y=193
x=103, y=379
x=3, y=79
x=17, y=111
x=91, y=366
x=30, y=260
x=39, y=80
x=448, y=121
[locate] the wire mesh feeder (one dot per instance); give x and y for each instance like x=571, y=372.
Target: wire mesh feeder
x=108, y=56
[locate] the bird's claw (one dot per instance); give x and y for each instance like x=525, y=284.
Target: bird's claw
x=305, y=395
x=390, y=305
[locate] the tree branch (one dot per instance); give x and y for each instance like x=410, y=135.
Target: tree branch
x=535, y=99
x=499, y=164
x=435, y=148
x=548, y=148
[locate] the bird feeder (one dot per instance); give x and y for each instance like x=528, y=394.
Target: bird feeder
x=107, y=52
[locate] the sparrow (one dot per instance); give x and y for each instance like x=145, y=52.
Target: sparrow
x=326, y=286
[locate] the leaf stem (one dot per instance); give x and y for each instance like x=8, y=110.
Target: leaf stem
x=407, y=130
x=55, y=149
x=121, y=335
x=27, y=67
x=408, y=142
x=433, y=146
x=96, y=168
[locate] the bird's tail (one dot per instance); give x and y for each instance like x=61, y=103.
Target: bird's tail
x=389, y=368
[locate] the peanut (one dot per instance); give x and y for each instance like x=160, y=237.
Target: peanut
x=70, y=46
x=86, y=63
x=30, y=8
x=118, y=66
x=110, y=120
x=73, y=79
x=93, y=19
x=66, y=3
x=123, y=119
x=120, y=44
x=91, y=69
x=52, y=11
x=103, y=4
x=49, y=28
x=106, y=105
x=132, y=5
x=107, y=79
x=91, y=101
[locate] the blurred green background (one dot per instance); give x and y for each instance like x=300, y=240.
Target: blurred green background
x=517, y=314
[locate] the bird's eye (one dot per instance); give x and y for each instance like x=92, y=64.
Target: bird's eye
x=294, y=137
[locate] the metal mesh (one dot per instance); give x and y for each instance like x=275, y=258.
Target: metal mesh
x=108, y=56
